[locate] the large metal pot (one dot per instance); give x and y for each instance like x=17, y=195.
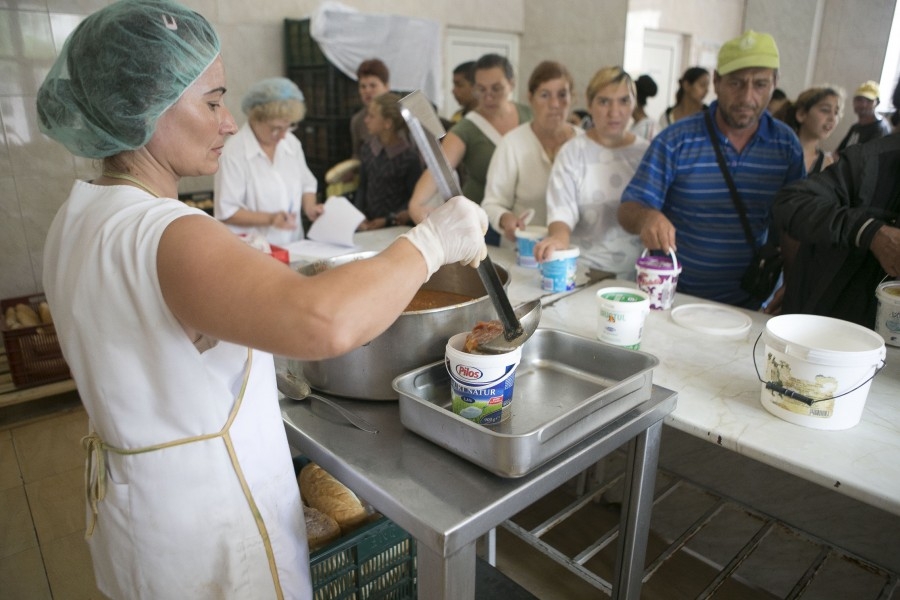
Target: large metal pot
x=415, y=339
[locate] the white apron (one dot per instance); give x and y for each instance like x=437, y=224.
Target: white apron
x=189, y=472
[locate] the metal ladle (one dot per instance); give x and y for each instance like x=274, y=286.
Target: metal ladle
x=296, y=388
x=519, y=323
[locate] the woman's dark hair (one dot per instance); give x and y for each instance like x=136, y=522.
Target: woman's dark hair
x=690, y=76
x=549, y=70
x=646, y=88
x=374, y=68
x=494, y=61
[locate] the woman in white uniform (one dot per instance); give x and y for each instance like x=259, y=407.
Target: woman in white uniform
x=168, y=320
x=263, y=180
x=588, y=178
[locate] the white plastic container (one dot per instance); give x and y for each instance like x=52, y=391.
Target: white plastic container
x=525, y=242
x=481, y=385
x=828, y=360
x=558, y=272
x=621, y=315
x=658, y=276
x=887, y=317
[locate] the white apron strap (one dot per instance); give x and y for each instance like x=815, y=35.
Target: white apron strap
x=484, y=126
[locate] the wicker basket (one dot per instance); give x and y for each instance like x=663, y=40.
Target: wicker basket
x=33, y=353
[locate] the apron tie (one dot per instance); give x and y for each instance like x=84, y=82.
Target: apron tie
x=94, y=476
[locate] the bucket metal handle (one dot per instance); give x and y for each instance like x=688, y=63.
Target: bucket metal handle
x=777, y=387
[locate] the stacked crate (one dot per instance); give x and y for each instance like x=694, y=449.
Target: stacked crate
x=331, y=100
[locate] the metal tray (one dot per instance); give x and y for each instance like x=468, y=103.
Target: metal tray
x=566, y=388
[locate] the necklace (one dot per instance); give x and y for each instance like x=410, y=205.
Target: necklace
x=134, y=180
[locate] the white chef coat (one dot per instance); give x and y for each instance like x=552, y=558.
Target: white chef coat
x=248, y=179
x=584, y=192
x=517, y=178
x=174, y=522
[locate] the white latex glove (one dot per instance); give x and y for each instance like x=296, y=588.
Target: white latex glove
x=453, y=232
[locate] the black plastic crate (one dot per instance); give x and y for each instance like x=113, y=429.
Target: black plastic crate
x=300, y=49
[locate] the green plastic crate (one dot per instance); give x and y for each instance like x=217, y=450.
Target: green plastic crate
x=377, y=561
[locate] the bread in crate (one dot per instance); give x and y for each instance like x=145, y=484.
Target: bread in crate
x=32, y=348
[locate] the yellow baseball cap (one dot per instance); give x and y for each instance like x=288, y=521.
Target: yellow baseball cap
x=869, y=89
x=752, y=49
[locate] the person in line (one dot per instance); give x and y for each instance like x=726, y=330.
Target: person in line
x=845, y=221
x=588, y=177
x=263, y=180
x=813, y=117
x=389, y=166
x=472, y=141
x=168, y=321
x=869, y=124
x=374, y=79
x=779, y=99
x=643, y=125
x=519, y=170
x=689, y=99
x=463, y=89
x=679, y=200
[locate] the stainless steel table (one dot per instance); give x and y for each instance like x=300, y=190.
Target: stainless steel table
x=447, y=503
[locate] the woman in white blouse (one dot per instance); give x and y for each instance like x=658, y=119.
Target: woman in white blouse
x=520, y=168
x=588, y=178
x=263, y=180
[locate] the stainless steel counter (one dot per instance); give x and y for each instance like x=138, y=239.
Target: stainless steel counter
x=447, y=503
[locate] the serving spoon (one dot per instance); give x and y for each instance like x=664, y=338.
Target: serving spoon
x=297, y=388
x=519, y=323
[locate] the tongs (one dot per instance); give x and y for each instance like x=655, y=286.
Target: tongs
x=425, y=126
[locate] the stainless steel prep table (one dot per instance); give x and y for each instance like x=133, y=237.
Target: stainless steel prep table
x=447, y=503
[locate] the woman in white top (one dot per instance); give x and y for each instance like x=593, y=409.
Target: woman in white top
x=588, y=178
x=520, y=167
x=168, y=321
x=263, y=181
x=692, y=90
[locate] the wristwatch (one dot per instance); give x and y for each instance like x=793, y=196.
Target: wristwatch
x=391, y=220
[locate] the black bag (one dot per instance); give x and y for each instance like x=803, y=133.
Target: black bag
x=761, y=277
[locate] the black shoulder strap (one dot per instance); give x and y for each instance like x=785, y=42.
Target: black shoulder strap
x=818, y=164
x=735, y=197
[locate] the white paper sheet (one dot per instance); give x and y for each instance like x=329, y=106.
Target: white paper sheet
x=332, y=233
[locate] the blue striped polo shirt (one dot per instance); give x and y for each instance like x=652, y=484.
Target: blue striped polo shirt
x=679, y=176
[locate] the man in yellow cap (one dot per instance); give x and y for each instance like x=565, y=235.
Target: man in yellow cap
x=869, y=124
x=680, y=192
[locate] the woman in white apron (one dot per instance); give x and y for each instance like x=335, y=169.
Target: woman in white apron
x=168, y=321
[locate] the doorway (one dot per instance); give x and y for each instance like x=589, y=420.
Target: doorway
x=663, y=60
x=470, y=44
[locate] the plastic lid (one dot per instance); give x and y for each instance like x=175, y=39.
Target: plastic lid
x=712, y=320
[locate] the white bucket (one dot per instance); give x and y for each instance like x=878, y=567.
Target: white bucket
x=558, y=272
x=481, y=385
x=828, y=360
x=525, y=242
x=622, y=312
x=658, y=276
x=887, y=317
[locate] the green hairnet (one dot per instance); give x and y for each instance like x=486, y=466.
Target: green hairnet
x=276, y=89
x=121, y=68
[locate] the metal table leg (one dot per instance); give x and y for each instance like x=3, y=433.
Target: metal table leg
x=450, y=578
x=640, y=477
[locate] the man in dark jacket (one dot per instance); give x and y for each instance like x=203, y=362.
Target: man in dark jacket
x=846, y=222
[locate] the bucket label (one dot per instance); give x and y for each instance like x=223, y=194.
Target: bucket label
x=485, y=406
x=779, y=371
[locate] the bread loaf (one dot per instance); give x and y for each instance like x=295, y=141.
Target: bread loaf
x=322, y=491
x=320, y=528
x=12, y=322
x=44, y=312
x=26, y=315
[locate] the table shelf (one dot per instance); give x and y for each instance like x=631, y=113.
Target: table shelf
x=735, y=544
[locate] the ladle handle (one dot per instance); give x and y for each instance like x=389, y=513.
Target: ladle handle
x=415, y=109
x=511, y=326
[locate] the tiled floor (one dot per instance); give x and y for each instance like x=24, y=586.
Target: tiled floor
x=43, y=553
